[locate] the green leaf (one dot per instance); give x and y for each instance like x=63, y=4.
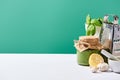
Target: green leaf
x=101, y=21
x=96, y=22
x=88, y=32
x=91, y=30
x=88, y=19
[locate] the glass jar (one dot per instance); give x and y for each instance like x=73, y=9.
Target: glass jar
x=83, y=57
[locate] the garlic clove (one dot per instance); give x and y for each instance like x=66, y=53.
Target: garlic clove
x=103, y=67
x=93, y=69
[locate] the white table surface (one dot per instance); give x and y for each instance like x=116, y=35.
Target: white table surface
x=47, y=67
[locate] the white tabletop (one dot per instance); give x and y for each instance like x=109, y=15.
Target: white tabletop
x=47, y=67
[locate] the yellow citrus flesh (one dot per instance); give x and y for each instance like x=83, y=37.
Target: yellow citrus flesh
x=95, y=59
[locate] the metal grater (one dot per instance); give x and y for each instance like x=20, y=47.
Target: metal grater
x=116, y=40
x=110, y=36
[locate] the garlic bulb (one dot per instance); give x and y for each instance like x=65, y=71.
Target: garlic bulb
x=103, y=67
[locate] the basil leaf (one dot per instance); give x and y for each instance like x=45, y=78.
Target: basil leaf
x=88, y=19
x=91, y=30
x=96, y=22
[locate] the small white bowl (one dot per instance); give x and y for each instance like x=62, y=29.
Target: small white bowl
x=114, y=65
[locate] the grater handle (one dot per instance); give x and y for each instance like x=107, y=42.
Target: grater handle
x=115, y=17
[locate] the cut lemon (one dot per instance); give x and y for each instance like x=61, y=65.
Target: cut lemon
x=95, y=59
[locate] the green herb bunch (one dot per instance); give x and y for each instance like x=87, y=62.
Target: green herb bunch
x=91, y=25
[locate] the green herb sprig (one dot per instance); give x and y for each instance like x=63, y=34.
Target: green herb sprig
x=91, y=25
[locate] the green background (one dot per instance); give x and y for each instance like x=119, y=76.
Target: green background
x=47, y=26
